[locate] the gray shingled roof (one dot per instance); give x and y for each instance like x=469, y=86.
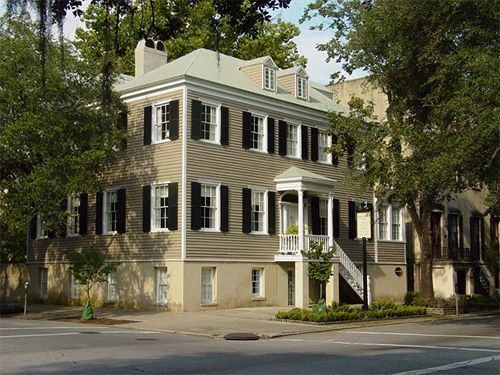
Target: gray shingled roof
x=225, y=70
x=296, y=172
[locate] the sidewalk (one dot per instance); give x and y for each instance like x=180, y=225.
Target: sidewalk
x=213, y=323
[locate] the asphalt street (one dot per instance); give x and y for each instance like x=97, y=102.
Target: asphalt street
x=466, y=346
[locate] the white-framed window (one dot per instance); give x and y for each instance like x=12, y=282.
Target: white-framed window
x=161, y=122
x=159, y=212
x=324, y=142
x=396, y=223
x=74, y=215
x=112, y=286
x=209, y=207
x=161, y=285
x=389, y=222
x=292, y=140
x=74, y=288
x=110, y=208
x=207, y=285
x=43, y=283
x=41, y=230
x=258, y=218
x=258, y=132
x=210, y=129
x=269, y=78
x=323, y=216
x=257, y=282
x=301, y=87
x=383, y=221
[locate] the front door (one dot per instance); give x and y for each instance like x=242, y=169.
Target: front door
x=291, y=287
x=290, y=217
x=436, y=234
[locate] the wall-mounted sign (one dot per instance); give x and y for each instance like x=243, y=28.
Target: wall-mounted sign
x=364, y=224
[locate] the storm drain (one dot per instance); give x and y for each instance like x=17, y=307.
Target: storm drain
x=241, y=336
x=89, y=333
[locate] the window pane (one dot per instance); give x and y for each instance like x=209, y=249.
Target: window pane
x=74, y=214
x=258, y=211
x=207, y=285
x=257, y=133
x=111, y=211
x=208, y=206
x=291, y=140
x=323, y=144
x=208, y=122
x=396, y=223
x=161, y=285
x=382, y=222
x=257, y=282
x=160, y=206
x=162, y=122
x=323, y=217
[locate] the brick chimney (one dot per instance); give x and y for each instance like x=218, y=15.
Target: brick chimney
x=149, y=55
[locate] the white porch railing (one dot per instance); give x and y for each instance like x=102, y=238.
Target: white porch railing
x=322, y=240
x=289, y=243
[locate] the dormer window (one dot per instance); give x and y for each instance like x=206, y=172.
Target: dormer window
x=301, y=88
x=269, y=78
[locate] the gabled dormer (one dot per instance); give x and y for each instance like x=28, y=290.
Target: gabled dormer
x=262, y=71
x=296, y=81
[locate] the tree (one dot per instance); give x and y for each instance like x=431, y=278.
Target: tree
x=436, y=61
x=54, y=138
x=186, y=28
x=89, y=267
x=320, y=264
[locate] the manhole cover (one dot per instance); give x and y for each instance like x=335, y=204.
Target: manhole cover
x=241, y=336
x=89, y=333
x=147, y=339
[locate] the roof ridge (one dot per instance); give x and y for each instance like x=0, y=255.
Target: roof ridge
x=198, y=51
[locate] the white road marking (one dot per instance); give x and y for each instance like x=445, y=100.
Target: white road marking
x=450, y=366
x=421, y=334
x=28, y=328
x=396, y=345
x=76, y=333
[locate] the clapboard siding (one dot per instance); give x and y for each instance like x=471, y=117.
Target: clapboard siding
x=254, y=72
x=288, y=83
x=134, y=167
x=389, y=252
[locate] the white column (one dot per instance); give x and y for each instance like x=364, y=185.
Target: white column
x=330, y=220
x=301, y=220
x=301, y=284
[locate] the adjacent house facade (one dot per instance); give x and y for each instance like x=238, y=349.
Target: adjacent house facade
x=223, y=181
x=462, y=229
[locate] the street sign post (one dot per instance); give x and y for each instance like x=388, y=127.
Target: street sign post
x=364, y=231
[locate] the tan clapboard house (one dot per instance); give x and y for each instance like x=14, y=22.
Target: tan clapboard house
x=223, y=181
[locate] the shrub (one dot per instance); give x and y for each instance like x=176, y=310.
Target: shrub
x=414, y=298
x=382, y=305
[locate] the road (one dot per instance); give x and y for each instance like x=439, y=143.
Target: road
x=466, y=346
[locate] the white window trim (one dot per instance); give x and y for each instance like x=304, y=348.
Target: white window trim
x=69, y=231
x=217, y=121
x=306, y=88
x=389, y=222
x=109, y=298
x=217, y=186
x=154, y=140
x=152, y=208
x=265, y=223
x=329, y=144
x=104, y=205
x=264, y=67
x=39, y=230
x=299, y=140
x=264, y=117
x=157, y=286
x=261, y=293
x=213, y=284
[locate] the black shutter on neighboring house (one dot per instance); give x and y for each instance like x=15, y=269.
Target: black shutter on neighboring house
x=195, y=205
x=64, y=207
x=224, y=208
x=84, y=212
x=98, y=212
x=147, y=124
x=224, y=126
x=336, y=218
x=370, y=208
x=271, y=212
x=51, y=234
x=335, y=158
x=246, y=210
x=482, y=244
x=314, y=144
x=33, y=225
x=195, y=119
x=121, y=211
x=305, y=142
x=172, y=206
x=352, y=220
x=246, y=140
x=350, y=154
x=461, y=229
x=173, y=131
x=315, y=215
x=270, y=135
x=146, y=208
x=122, y=127
x=282, y=137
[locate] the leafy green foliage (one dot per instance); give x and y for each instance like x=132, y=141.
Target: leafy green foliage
x=320, y=261
x=436, y=61
x=54, y=139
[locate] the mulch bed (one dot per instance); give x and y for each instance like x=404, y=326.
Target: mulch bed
x=98, y=321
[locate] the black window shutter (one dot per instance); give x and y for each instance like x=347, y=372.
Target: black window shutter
x=350, y=154
x=121, y=211
x=84, y=211
x=224, y=208
x=482, y=244
x=271, y=212
x=173, y=130
x=450, y=238
x=146, y=208
x=172, y=206
x=246, y=140
x=270, y=135
x=315, y=215
x=282, y=137
x=352, y=220
x=195, y=205
x=64, y=207
x=122, y=126
x=224, y=126
x=246, y=210
x=461, y=229
x=336, y=218
x=314, y=144
x=98, y=212
x=195, y=119
x=33, y=224
x=147, y=124
x=51, y=234
x=372, y=228
x=305, y=142
x=335, y=158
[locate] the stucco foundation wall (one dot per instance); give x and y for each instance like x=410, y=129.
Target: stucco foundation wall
x=233, y=285
x=12, y=279
x=385, y=284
